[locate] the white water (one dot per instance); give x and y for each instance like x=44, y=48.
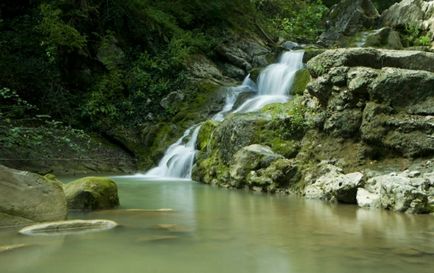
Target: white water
x=232, y=94
x=274, y=85
x=178, y=160
x=275, y=82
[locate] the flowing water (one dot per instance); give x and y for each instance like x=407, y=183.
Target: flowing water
x=274, y=84
x=215, y=230
x=178, y=160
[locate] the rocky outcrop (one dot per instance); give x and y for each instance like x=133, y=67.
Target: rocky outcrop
x=346, y=19
x=409, y=191
x=92, y=193
x=68, y=227
x=242, y=55
x=365, y=114
x=377, y=104
x=413, y=13
x=28, y=198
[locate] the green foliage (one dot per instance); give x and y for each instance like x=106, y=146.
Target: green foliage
x=298, y=20
x=414, y=36
x=57, y=33
x=12, y=105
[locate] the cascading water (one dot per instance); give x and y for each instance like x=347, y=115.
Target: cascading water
x=178, y=160
x=274, y=84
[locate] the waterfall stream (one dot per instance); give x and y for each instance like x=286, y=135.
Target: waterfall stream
x=274, y=84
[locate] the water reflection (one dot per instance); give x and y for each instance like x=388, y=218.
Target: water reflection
x=216, y=230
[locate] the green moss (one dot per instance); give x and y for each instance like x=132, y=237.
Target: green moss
x=92, y=193
x=205, y=134
x=301, y=79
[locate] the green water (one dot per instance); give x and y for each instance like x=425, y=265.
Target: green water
x=216, y=230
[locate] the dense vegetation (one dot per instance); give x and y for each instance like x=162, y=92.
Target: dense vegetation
x=96, y=61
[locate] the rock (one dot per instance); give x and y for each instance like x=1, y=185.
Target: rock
x=68, y=227
x=233, y=71
x=91, y=193
x=244, y=53
x=384, y=38
x=346, y=19
x=248, y=159
x=201, y=68
x=172, y=100
x=404, y=192
x=417, y=13
x=369, y=57
x=27, y=198
x=301, y=79
x=335, y=185
x=288, y=45
x=243, y=97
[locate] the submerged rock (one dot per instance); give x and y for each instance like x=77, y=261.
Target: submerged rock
x=69, y=227
x=408, y=191
x=91, y=193
x=27, y=197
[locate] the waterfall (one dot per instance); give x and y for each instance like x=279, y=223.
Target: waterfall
x=178, y=160
x=275, y=82
x=273, y=86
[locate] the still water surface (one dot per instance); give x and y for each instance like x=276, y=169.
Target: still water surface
x=215, y=230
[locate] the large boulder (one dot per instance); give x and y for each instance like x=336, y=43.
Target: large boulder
x=414, y=13
x=409, y=191
x=346, y=19
x=92, y=193
x=334, y=185
x=27, y=198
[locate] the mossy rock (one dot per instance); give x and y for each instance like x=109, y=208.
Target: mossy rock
x=205, y=134
x=92, y=193
x=301, y=79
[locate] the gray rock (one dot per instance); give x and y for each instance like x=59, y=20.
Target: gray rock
x=369, y=57
x=68, y=227
x=258, y=167
x=346, y=19
x=407, y=191
x=385, y=38
x=27, y=198
x=251, y=158
x=288, y=45
x=91, y=193
x=418, y=13
x=334, y=185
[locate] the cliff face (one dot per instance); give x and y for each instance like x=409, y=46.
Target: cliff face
x=366, y=115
